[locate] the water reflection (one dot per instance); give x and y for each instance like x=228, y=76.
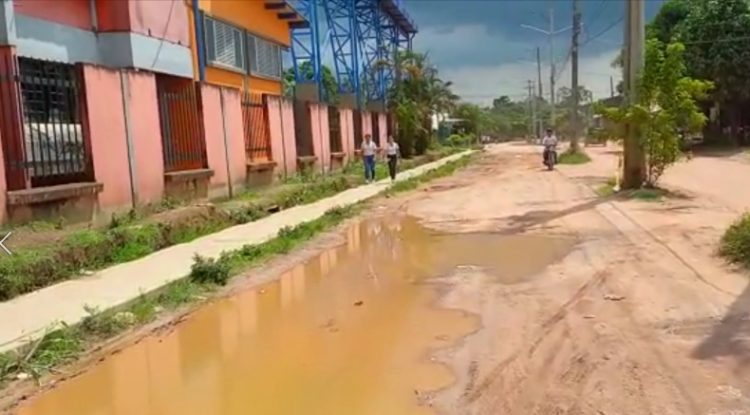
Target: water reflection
x=344, y=333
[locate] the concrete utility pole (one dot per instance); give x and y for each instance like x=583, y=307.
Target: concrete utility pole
x=532, y=107
x=551, y=37
x=634, y=172
x=611, y=87
x=574, y=80
x=540, y=91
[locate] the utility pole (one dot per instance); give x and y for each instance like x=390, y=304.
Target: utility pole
x=634, y=164
x=551, y=37
x=540, y=92
x=532, y=107
x=611, y=87
x=574, y=80
x=552, y=67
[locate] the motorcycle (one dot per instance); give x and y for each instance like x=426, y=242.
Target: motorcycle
x=550, y=157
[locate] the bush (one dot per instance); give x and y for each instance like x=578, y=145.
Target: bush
x=735, y=244
x=209, y=271
x=458, y=140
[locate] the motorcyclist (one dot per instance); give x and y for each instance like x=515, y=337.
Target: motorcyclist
x=549, y=142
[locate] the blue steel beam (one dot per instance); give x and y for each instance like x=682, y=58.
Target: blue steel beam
x=389, y=51
x=370, y=38
x=306, y=46
x=340, y=17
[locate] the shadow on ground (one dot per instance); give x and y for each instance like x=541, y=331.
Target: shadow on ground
x=731, y=336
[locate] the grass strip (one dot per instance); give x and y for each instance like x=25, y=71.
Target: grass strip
x=67, y=344
x=570, y=157
x=128, y=238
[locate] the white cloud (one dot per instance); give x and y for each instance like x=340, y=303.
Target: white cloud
x=482, y=83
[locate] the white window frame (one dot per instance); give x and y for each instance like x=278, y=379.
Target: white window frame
x=255, y=58
x=210, y=26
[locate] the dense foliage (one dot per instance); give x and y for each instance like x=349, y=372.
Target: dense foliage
x=415, y=98
x=715, y=34
x=330, y=84
x=666, y=106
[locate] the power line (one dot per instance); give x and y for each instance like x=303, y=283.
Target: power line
x=603, y=32
x=602, y=5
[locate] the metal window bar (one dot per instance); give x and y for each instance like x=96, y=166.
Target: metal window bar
x=184, y=145
x=334, y=129
x=303, y=129
x=52, y=146
x=256, y=126
x=358, y=136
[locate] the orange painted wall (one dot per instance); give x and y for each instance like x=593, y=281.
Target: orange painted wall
x=75, y=13
x=252, y=16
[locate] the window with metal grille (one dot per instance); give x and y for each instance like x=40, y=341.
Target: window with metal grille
x=224, y=44
x=265, y=57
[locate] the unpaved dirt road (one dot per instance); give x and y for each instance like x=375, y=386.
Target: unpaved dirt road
x=549, y=300
x=641, y=318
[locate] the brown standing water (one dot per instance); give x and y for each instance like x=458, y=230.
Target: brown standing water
x=347, y=333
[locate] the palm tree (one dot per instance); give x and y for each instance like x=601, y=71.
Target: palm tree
x=415, y=97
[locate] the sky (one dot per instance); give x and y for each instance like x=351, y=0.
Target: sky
x=481, y=47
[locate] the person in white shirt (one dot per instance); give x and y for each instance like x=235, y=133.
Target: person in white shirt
x=549, y=142
x=369, y=149
x=391, y=151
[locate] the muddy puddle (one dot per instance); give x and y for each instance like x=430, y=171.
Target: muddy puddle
x=349, y=332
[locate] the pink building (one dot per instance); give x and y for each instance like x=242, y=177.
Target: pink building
x=101, y=112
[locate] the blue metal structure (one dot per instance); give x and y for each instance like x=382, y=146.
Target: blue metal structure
x=306, y=46
x=364, y=37
x=340, y=17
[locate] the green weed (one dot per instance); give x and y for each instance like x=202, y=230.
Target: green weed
x=209, y=271
x=648, y=194
x=735, y=243
x=569, y=157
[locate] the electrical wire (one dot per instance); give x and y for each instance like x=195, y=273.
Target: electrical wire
x=603, y=32
x=602, y=5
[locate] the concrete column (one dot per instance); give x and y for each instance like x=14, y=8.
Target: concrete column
x=107, y=133
x=216, y=152
x=235, y=138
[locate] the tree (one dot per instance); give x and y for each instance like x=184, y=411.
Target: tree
x=566, y=96
x=666, y=106
x=330, y=84
x=671, y=14
x=418, y=95
x=475, y=119
x=708, y=31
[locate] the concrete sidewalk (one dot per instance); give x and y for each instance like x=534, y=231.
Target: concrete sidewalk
x=29, y=316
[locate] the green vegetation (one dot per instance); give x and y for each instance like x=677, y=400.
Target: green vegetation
x=735, y=244
x=129, y=236
x=570, y=157
x=68, y=343
x=209, y=271
x=445, y=170
x=667, y=104
x=700, y=26
x=420, y=94
x=648, y=194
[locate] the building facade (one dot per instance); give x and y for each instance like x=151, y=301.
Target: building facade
x=240, y=43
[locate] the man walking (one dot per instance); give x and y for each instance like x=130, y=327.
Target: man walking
x=391, y=151
x=369, y=149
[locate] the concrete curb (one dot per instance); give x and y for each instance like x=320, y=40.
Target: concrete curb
x=30, y=316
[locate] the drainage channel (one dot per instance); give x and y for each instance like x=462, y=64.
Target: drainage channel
x=347, y=332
